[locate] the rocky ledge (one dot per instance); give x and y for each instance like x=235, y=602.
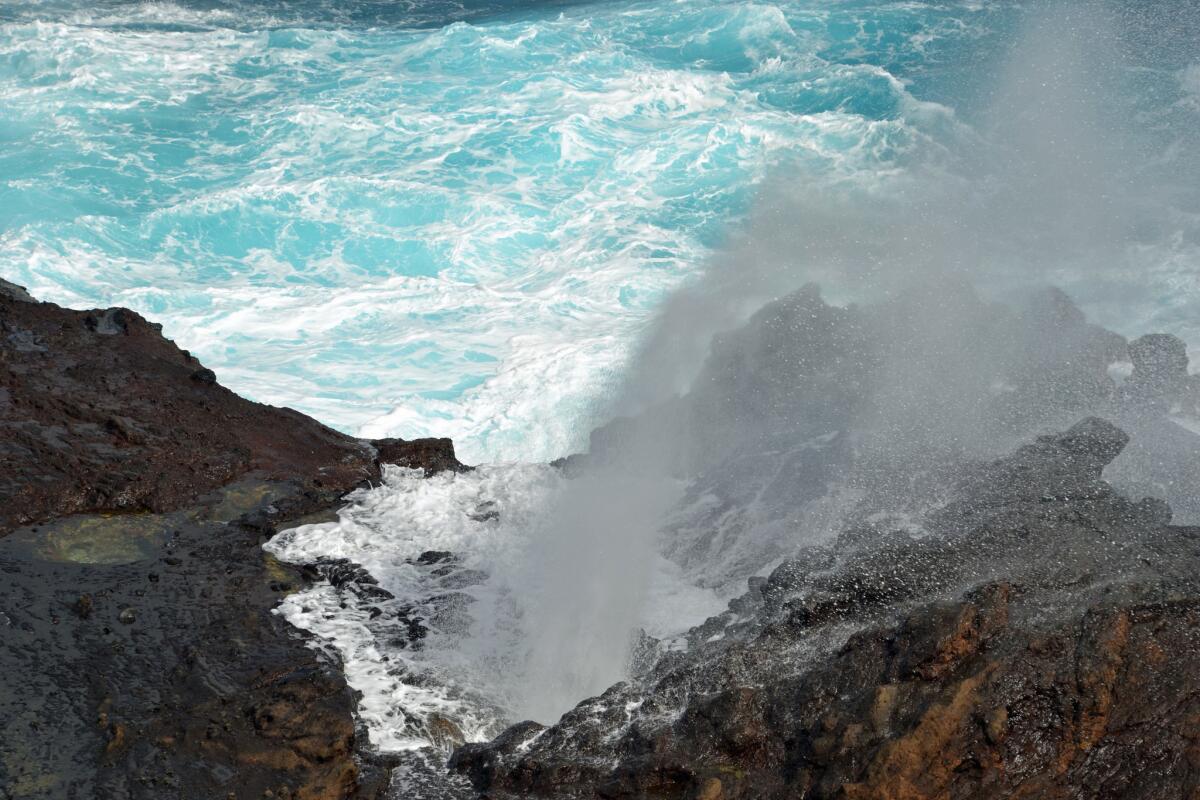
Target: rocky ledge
x=139, y=652
x=1039, y=639
x=1020, y=624
x=1020, y=619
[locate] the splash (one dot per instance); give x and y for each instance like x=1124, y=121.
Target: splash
x=436, y=590
x=927, y=228
x=815, y=416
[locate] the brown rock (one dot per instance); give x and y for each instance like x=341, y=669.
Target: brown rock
x=209, y=694
x=103, y=414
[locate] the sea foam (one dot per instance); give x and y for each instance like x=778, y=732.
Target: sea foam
x=483, y=535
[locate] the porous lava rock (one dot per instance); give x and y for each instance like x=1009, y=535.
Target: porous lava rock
x=100, y=413
x=1035, y=637
x=139, y=652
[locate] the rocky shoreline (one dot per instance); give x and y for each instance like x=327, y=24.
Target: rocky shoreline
x=1028, y=627
x=1061, y=666
x=141, y=657
x=1024, y=624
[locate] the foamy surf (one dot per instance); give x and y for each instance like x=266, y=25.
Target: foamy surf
x=486, y=213
x=453, y=552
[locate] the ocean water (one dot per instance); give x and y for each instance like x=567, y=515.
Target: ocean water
x=457, y=218
x=454, y=218
x=433, y=218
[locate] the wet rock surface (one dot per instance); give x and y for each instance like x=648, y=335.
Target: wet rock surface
x=1008, y=606
x=1038, y=640
x=139, y=651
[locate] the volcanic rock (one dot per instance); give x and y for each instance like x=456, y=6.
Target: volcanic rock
x=1160, y=367
x=1017, y=648
x=996, y=617
x=105, y=415
x=140, y=655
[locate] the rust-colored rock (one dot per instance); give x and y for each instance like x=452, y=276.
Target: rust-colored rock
x=1039, y=640
x=997, y=722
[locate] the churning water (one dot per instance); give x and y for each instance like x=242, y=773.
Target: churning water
x=415, y=218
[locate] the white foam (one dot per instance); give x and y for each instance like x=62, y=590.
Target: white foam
x=494, y=519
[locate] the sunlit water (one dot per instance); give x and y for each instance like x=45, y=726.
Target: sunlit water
x=434, y=218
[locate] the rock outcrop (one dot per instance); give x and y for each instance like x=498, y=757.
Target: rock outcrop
x=100, y=413
x=1002, y=614
x=1036, y=640
x=139, y=652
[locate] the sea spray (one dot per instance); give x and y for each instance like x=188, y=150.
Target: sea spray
x=448, y=664
x=1063, y=167
x=1044, y=182
x=784, y=438
x=473, y=559
x=583, y=586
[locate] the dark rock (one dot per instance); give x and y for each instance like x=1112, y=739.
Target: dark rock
x=112, y=423
x=130, y=423
x=1090, y=445
x=432, y=455
x=1020, y=644
x=1160, y=366
x=202, y=691
x=14, y=292
x=433, y=557
x=108, y=323
x=571, y=465
x=207, y=690
x=344, y=573
x=485, y=512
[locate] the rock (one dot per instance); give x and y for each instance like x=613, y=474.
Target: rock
x=108, y=323
x=126, y=421
x=444, y=733
x=432, y=455
x=14, y=292
x=710, y=789
x=1160, y=367
x=1054, y=465
x=1091, y=444
x=433, y=557
x=205, y=376
x=989, y=722
x=134, y=481
x=1018, y=645
x=211, y=690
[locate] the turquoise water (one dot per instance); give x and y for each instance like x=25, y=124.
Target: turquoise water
x=458, y=219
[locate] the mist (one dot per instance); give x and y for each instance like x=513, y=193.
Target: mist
x=1055, y=178
x=928, y=334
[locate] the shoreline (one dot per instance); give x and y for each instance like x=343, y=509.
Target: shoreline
x=138, y=603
